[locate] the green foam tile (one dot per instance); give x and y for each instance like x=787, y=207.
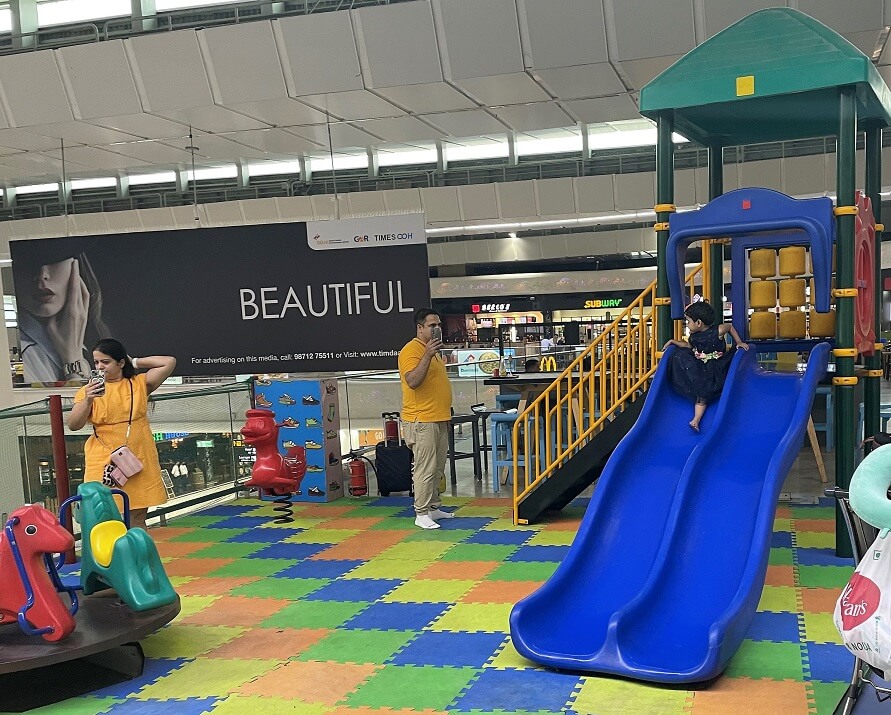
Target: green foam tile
x=395, y=523
x=487, y=617
x=819, y=628
x=206, y=678
x=606, y=696
x=814, y=540
x=314, y=614
x=321, y=536
x=290, y=588
x=429, y=591
x=416, y=551
x=782, y=525
x=765, y=659
x=356, y=646
x=225, y=551
x=209, y=536
x=411, y=687
x=365, y=512
x=301, y=522
x=824, y=576
x=552, y=538
x=828, y=695
x=388, y=568
x=523, y=571
x=779, y=599
x=490, y=512
x=240, y=704
x=176, y=641
x=189, y=605
x=479, y=552
x=813, y=512
x=252, y=567
x=781, y=557
x=195, y=521
x=450, y=535
x=507, y=524
x=79, y=706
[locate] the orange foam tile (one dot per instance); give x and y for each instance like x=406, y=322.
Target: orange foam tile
x=316, y=511
x=819, y=600
x=359, y=522
x=195, y=567
x=459, y=570
x=270, y=643
x=821, y=526
x=500, y=591
x=784, y=512
x=237, y=611
x=747, y=696
x=566, y=525
x=176, y=549
x=780, y=576
x=362, y=546
x=213, y=586
x=491, y=501
x=163, y=533
x=326, y=683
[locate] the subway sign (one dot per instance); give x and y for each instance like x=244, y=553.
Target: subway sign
x=604, y=303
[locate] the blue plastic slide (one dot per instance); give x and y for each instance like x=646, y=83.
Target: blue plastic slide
x=665, y=574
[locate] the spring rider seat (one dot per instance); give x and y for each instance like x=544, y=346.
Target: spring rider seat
x=115, y=556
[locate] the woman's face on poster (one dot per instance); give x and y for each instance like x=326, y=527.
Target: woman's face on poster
x=48, y=289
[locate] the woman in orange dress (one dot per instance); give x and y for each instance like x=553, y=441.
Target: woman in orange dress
x=107, y=405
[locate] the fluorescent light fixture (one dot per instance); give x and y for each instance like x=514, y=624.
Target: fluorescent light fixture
x=627, y=139
x=162, y=177
x=341, y=161
x=271, y=168
x=5, y=20
x=406, y=157
x=5, y=261
x=490, y=149
x=102, y=182
x=214, y=172
x=36, y=189
x=165, y=5
x=515, y=226
x=64, y=12
x=552, y=145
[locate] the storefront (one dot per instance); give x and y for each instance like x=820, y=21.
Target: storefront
x=478, y=322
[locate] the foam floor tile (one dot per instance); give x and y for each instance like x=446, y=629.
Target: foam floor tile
x=161, y=534
x=827, y=695
x=266, y=535
x=551, y=538
x=811, y=525
x=489, y=617
x=208, y=586
x=823, y=557
x=780, y=576
x=321, y=536
x=518, y=690
x=278, y=644
x=509, y=658
x=458, y=570
x=189, y=605
x=500, y=591
x=820, y=600
x=426, y=551
x=208, y=535
x=781, y=540
x=324, y=683
x=206, y=678
x=240, y=522
x=88, y=705
x=395, y=523
x=355, y=646
x=782, y=524
x=780, y=557
x=253, y=567
x=236, y=611
x=190, y=706
x=828, y=661
x=289, y=552
x=768, y=626
x=404, y=686
x=176, y=549
x=814, y=539
x=241, y=704
x=819, y=628
x=523, y=571
x=153, y=668
x=397, y=616
x=621, y=697
x=501, y=511
x=503, y=538
x=778, y=598
x=291, y=589
x=752, y=697
x=309, y=614
x=360, y=523
x=224, y=551
x=479, y=552
x=812, y=512
x=429, y=591
x=195, y=567
x=197, y=521
x=312, y=568
x=471, y=650
x=540, y=553
x=379, y=568
x=764, y=659
x=176, y=641
x=824, y=576
x=452, y=536
x=366, y=589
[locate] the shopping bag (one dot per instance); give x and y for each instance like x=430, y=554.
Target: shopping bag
x=863, y=611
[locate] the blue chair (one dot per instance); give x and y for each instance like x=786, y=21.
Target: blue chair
x=829, y=425
x=508, y=401
x=503, y=446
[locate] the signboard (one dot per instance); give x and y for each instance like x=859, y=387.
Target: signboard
x=604, y=303
x=479, y=363
x=289, y=297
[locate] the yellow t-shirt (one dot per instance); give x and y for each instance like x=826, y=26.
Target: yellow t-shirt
x=431, y=401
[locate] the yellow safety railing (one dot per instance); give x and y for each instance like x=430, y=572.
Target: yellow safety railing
x=613, y=370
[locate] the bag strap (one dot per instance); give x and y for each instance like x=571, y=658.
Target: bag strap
x=129, y=420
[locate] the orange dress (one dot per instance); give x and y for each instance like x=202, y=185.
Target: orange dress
x=109, y=415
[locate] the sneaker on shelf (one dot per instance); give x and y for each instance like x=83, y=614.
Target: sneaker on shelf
x=312, y=422
x=314, y=468
x=290, y=422
x=334, y=486
x=333, y=458
x=425, y=522
x=262, y=381
x=289, y=444
x=312, y=444
x=309, y=400
x=331, y=434
x=331, y=412
x=315, y=492
x=262, y=401
x=437, y=514
x=330, y=389
x=287, y=400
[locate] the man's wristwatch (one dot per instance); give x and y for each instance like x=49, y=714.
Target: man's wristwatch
x=74, y=368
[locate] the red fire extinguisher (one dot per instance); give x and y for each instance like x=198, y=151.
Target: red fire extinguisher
x=391, y=428
x=358, y=486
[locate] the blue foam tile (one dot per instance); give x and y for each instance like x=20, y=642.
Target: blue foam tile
x=581, y=502
x=396, y=616
x=319, y=569
x=821, y=557
x=505, y=538
x=264, y=536
x=407, y=513
x=356, y=589
x=239, y=509
x=466, y=522
x=781, y=540
x=776, y=627
x=523, y=690
x=239, y=522
x=829, y=662
x=539, y=553
x=190, y=706
x=296, y=552
x=153, y=669
x=470, y=650
x=393, y=501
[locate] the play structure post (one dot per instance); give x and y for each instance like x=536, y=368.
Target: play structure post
x=60, y=461
x=845, y=381
x=716, y=249
x=873, y=388
x=664, y=201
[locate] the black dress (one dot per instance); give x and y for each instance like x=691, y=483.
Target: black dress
x=699, y=373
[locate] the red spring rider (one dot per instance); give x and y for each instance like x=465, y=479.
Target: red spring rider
x=29, y=582
x=273, y=474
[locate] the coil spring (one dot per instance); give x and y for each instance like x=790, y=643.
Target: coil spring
x=285, y=513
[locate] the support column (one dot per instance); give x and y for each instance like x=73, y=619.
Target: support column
x=24, y=20
x=664, y=199
x=143, y=12
x=586, y=141
x=10, y=195
x=873, y=388
x=716, y=250
x=182, y=179
x=845, y=382
x=442, y=162
x=373, y=163
x=512, y=148
x=122, y=185
x=242, y=177
x=305, y=168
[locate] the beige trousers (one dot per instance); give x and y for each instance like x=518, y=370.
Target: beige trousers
x=430, y=443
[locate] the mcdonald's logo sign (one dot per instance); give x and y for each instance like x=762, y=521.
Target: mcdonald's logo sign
x=548, y=364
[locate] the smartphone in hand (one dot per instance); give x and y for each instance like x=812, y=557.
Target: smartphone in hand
x=436, y=332
x=97, y=376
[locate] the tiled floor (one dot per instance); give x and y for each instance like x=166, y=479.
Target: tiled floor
x=351, y=610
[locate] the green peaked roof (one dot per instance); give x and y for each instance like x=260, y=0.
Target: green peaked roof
x=773, y=75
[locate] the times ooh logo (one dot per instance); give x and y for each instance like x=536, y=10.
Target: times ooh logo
x=859, y=601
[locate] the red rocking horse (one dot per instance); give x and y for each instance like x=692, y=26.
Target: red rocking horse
x=29, y=582
x=273, y=474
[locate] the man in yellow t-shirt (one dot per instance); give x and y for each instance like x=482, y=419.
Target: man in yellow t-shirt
x=426, y=411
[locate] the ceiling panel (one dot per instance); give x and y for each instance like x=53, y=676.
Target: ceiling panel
x=147, y=153
x=564, y=33
x=321, y=52
x=170, y=70
x=482, y=38
x=401, y=129
x=720, y=14
x=468, y=123
x=241, y=76
x=40, y=164
x=282, y=112
x=26, y=141
x=33, y=88
x=218, y=148
x=532, y=117
x=413, y=59
x=275, y=141
x=146, y=126
x=582, y=81
x=668, y=29
x=356, y=104
x=100, y=79
x=504, y=89
x=94, y=159
x=213, y=119
x=422, y=98
x=81, y=133
x=843, y=17
x=604, y=109
x=639, y=72
x=342, y=135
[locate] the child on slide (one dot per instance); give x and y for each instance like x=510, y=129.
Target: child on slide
x=698, y=369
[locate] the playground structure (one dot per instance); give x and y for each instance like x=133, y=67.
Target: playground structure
x=672, y=602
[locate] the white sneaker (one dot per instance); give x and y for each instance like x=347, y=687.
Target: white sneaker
x=425, y=522
x=437, y=514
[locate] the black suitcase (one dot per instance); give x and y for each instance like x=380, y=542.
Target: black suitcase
x=393, y=467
